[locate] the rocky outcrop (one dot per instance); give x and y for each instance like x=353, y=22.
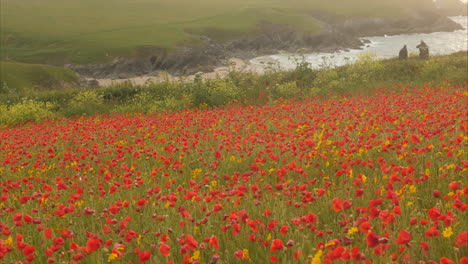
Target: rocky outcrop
x=336, y=33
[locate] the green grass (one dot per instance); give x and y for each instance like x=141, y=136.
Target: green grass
x=240, y=87
x=22, y=78
x=56, y=31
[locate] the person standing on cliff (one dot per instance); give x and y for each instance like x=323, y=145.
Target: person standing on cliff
x=403, y=55
x=423, y=50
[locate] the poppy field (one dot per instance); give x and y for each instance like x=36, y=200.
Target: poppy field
x=360, y=179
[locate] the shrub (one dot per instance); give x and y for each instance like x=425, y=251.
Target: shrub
x=327, y=80
x=287, y=90
x=435, y=70
x=215, y=92
x=86, y=102
x=26, y=111
x=366, y=69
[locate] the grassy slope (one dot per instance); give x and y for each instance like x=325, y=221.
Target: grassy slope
x=57, y=31
x=22, y=76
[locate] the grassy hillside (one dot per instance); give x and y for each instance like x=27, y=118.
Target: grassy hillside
x=22, y=77
x=57, y=31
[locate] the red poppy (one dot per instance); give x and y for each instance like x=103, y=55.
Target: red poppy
x=276, y=244
x=424, y=245
x=464, y=260
x=164, y=249
x=462, y=240
x=372, y=239
x=144, y=256
x=415, y=139
x=213, y=242
x=337, y=205
x=454, y=185
x=48, y=233
x=93, y=245
x=432, y=232
x=403, y=238
x=284, y=229
x=445, y=260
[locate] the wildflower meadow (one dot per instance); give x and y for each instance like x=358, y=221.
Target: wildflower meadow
x=379, y=178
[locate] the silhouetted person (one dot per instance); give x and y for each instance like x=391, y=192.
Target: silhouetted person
x=403, y=55
x=423, y=50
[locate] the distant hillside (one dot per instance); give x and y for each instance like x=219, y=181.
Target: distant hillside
x=90, y=31
x=21, y=77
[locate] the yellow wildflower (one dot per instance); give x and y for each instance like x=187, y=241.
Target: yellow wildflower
x=317, y=259
x=352, y=230
x=112, y=256
x=447, y=232
x=196, y=256
x=8, y=241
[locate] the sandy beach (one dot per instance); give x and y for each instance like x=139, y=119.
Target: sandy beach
x=235, y=64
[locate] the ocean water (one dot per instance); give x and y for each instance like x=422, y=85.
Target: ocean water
x=383, y=47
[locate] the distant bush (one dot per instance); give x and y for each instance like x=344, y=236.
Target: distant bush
x=86, y=102
x=26, y=111
x=434, y=70
x=367, y=68
x=328, y=80
x=214, y=92
x=288, y=90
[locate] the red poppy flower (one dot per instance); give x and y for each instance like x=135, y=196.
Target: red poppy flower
x=284, y=229
x=372, y=239
x=462, y=240
x=93, y=245
x=403, y=238
x=432, y=232
x=445, y=260
x=415, y=139
x=213, y=242
x=454, y=185
x=337, y=205
x=165, y=249
x=276, y=244
x=144, y=256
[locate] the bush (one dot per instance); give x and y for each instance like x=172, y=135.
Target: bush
x=435, y=70
x=327, y=80
x=86, y=102
x=26, y=111
x=367, y=68
x=215, y=92
x=287, y=90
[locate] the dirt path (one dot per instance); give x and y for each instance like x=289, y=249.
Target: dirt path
x=220, y=72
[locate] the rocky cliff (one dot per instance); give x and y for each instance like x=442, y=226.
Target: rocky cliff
x=336, y=33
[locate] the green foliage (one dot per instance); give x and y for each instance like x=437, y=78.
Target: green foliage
x=85, y=103
x=89, y=31
x=26, y=111
x=246, y=88
x=365, y=69
x=23, y=77
x=287, y=90
x=327, y=79
x=214, y=92
x=431, y=70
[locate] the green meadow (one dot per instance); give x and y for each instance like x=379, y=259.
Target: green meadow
x=26, y=78
x=90, y=31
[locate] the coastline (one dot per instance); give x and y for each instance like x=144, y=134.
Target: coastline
x=214, y=59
